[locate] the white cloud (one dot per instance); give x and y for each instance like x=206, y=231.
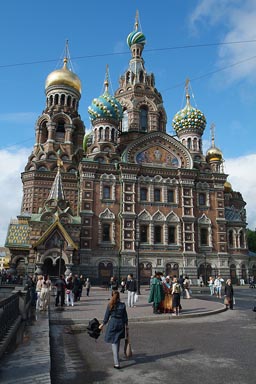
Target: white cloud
x=233, y=20
x=242, y=178
x=12, y=163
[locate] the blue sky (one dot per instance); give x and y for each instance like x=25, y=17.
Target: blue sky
x=184, y=40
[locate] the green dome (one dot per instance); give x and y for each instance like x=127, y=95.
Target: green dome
x=189, y=118
x=136, y=37
x=105, y=106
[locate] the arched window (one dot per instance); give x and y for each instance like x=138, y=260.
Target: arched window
x=101, y=133
x=144, y=119
x=144, y=233
x=204, y=236
x=60, y=126
x=62, y=99
x=241, y=239
x=230, y=239
x=69, y=101
x=158, y=234
x=125, y=121
x=171, y=235
x=189, y=143
x=106, y=232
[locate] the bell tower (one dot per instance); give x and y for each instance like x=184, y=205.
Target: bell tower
x=59, y=135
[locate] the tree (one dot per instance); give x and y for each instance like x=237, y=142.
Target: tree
x=251, y=238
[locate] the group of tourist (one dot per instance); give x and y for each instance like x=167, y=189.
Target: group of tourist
x=165, y=293
x=71, y=289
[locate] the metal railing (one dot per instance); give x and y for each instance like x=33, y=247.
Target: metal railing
x=9, y=313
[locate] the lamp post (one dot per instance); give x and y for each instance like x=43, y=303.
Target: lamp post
x=137, y=243
x=61, y=242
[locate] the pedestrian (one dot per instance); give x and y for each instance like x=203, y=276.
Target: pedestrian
x=39, y=286
x=76, y=288
x=60, y=285
x=167, y=287
x=131, y=287
x=69, y=291
x=156, y=295
x=186, y=285
x=117, y=319
x=229, y=295
x=181, y=280
x=87, y=286
x=45, y=292
x=81, y=285
x=211, y=285
x=123, y=286
x=218, y=286
x=113, y=284
x=176, y=291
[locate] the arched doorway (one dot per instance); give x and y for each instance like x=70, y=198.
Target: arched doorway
x=105, y=272
x=21, y=268
x=253, y=273
x=172, y=270
x=145, y=273
x=51, y=269
x=205, y=270
x=233, y=275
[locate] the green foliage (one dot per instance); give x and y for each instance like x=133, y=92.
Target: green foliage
x=251, y=237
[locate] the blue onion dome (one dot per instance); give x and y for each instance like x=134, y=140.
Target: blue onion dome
x=105, y=106
x=64, y=77
x=136, y=37
x=189, y=118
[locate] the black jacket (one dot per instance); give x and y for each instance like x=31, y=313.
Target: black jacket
x=131, y=285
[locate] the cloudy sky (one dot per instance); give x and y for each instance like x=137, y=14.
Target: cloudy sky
x=212, y=42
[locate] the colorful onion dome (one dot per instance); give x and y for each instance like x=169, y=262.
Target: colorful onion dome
x=64, y=77
x=105, y=106
x=189, y=118
x=136, y=37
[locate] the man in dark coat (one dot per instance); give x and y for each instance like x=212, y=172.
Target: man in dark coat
x=61, y=286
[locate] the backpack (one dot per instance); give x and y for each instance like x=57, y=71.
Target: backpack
x=93, y=328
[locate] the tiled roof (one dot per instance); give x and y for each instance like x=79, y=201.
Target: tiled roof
x=232, y=215
x=18, y=236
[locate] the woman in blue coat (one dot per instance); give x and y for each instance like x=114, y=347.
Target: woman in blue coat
x=117, y=319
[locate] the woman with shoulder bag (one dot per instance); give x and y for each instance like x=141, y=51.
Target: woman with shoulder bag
x=117, y=319
x=229, y=295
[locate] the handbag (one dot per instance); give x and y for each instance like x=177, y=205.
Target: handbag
x=127, y=345
x=226, y=300
x=136, y=297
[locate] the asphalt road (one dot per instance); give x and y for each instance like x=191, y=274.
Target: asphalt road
x=212, y=349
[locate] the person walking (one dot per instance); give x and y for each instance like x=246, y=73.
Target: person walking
x=39, y=286
x=229, y=295
x=69, y=292
x=167, y=287
x=87, y=286
x=218, y=286
x=131, y=287
x=186, y=286
x=60, y=286
x=176, y=291
x=211, y=285
x=117, y=319
x=76, y=288
x=45, y=292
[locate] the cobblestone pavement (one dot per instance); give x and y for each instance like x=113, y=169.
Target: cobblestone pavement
x=31, y=361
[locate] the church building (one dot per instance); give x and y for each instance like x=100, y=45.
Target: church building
x=126, y=197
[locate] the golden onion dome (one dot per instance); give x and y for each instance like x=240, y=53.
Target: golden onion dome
x=227, y=186
x=64, y=76
x=214, y=154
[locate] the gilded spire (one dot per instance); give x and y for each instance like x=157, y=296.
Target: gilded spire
x=106, y=82
x=187, y=90
x=213, y=134
x=136, y=25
